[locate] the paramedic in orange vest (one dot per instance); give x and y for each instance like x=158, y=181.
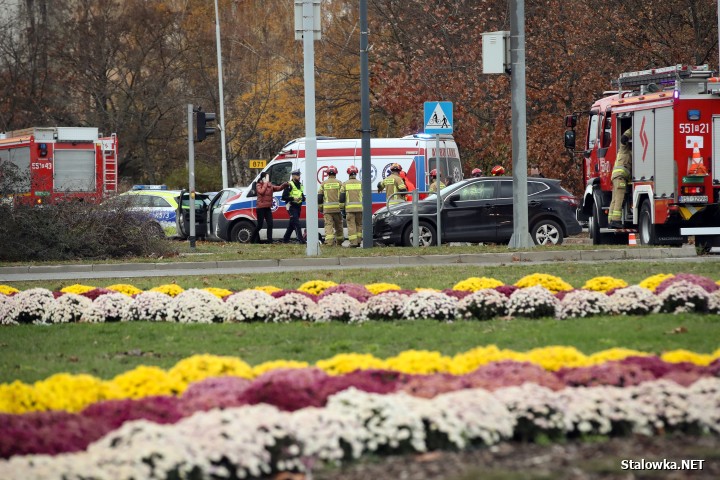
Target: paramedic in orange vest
x=351, y=197
x=620, y=176
x=329, y=198
x=408, y=184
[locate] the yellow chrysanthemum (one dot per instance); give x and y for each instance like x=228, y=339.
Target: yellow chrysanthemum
x=652, y=282
x=77, y=289
x=349, y=362
x=219, y=292
x=419, y=362
x=72, y=393
x=144, y=381
x=267, y=289
x=552, y=283
x=556, y=357
x=199, y=367
x=473, y=284
x=169, y=289
x=125, y=289
x=679, y=356
x=376, y=288
x=277, y=364
x=473, y=359
x=614, y=354
x=316, y=287
x=604, y=284
x=8, y=290
x=17, y=397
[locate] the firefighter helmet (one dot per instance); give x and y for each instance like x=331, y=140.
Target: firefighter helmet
x=433, y=173
x=476, y=172
x=352, y=170
x=395, y=167
x=497, y=170
x=331, y=170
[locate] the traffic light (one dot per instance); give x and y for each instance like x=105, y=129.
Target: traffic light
x=202, y=129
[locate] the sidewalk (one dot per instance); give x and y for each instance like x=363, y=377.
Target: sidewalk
x=128, y=270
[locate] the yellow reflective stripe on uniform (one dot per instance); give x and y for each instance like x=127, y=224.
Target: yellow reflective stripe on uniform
x=353, y=186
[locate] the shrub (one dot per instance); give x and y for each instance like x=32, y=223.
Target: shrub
x=72, y=230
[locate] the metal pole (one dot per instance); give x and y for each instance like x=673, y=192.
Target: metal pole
x=311, y=205
x=366, y=178
x=191, y=184
x=520, y=237
x=437, y=189
x=416, y=222
x=221, y=124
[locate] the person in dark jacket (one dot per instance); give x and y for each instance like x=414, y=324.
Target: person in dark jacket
x=265, y=190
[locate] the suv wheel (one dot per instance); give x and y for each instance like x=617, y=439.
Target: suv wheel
x=547, y=232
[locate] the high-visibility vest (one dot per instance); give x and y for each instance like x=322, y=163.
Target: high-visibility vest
x=330, y=190
x=351, y=193
x=433, y=186
x=296, y=194
x=392, y=184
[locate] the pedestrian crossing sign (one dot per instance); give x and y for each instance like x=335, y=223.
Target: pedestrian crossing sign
x=438, y=117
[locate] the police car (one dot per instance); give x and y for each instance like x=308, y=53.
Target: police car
x=158, y=202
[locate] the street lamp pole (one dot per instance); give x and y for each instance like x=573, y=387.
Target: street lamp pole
x=221, y=123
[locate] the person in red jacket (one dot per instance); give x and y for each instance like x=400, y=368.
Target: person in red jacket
x=265, y=190
x=410, y=186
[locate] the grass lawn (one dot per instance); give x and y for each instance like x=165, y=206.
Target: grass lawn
x=432, y=276
x=32, y=352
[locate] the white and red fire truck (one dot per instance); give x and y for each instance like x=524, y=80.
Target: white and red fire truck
x=50, y=164
x=674, y=114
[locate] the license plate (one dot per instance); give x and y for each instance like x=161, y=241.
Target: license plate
x=694, y=199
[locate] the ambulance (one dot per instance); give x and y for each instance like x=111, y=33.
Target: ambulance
x=417, y=154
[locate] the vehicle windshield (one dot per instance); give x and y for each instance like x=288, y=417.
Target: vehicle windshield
x=443, y=192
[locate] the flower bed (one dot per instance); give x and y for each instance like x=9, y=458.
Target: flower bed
x=533, y=296
x=256, y=441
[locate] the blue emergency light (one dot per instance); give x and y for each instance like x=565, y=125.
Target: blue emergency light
x=149, y=187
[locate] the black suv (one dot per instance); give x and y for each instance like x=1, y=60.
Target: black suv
x=481, y=210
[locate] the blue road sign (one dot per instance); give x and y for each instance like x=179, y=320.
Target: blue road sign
x=438, y=117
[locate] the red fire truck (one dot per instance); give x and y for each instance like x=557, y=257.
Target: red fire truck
x=674, y=114
x=49, y=164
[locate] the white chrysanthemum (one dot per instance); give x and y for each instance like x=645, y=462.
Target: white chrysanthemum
x=150, y=306
x=483, y=305
x=683, y=297
x=197, y=306
x=634, y=300
x=249, y=306
x=29, y=306
x=110, y=307
x=429, y=304
x=339, y=307
x=385, y=306
x=5, y=302
x=292, y=307
x=69, y=308
x=713, y=302
x=532, y=302
x=583, y=303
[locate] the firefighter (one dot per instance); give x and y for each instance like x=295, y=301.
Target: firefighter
x=329, y=198
x=477, y=172
x=351, y=197
x=497, y=171
x=620, y=176
x=294, y=196
x=434, y=182
x=392, y=184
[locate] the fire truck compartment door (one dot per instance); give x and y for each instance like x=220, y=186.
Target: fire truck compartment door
x=716, y=149
x=665, y=172
x=643, y=145
x=74, y=170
